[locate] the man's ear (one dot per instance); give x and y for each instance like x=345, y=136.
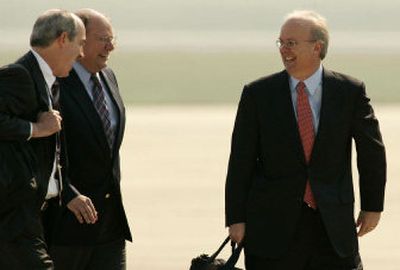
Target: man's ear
x=62, y=39
x=318, y=47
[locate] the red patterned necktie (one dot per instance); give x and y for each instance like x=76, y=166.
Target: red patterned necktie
x=99, y=102
x=306, y=130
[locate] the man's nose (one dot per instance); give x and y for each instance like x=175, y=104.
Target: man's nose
x=110, y=46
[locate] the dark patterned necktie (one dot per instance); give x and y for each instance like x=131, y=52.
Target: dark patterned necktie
x=55, y=95
x=100, y=104
x=306, y=130
x=55, y=100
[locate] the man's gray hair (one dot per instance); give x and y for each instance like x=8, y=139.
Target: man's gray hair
x=51, y=24
x=319, y=28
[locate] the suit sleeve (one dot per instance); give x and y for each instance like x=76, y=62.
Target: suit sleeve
x=17, y=98
x=13, y=128
x=69, y=191
x=371, y=158
x=242, y=159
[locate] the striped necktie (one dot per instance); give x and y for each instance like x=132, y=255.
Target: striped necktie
x=100, y=104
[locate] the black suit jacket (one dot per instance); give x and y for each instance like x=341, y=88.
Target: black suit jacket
x=16, y=128
x=267, y=171
x=19, y=187
x=44, y=148
x=92, y=167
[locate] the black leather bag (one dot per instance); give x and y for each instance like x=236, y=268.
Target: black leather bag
x=206, y=262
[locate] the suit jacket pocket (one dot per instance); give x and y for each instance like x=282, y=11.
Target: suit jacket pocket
x=271, y=195
x=17, y=173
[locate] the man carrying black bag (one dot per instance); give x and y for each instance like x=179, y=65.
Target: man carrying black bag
x=289, y=186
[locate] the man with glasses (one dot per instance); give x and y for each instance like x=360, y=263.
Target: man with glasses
x=289, y=190
x=94, y=121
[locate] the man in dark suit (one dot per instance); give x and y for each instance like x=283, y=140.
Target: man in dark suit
x=56, y=40
x=18, y=167
x=289, y=190
x=94, y=122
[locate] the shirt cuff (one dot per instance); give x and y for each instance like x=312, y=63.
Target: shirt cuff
x=30, y=131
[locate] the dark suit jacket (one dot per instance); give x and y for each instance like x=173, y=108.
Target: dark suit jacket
x=16, y=128
x=18, y=173
x=92, y=168
x=267, y=171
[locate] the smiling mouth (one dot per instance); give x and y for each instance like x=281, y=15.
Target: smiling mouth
x=288, y=59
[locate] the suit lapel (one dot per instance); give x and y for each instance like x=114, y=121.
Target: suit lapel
x=77, y=91
x=38, y=79
x=285, y=105
x=112, y=89
x=330, y=103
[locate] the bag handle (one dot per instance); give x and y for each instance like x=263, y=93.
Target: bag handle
x=230, y=263
x=216, y=253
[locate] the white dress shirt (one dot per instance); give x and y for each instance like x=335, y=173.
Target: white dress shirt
x=52, y=190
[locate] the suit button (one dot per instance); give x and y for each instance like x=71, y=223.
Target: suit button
x=33, y=183
x=107, y=196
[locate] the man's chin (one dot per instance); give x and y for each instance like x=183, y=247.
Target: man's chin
x=102, y=65
x=62, y=74
x=289, y=68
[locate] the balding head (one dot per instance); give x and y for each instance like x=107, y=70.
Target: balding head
x=303, y=43
x=100, y=39
x=88, y=15
x=316, y=24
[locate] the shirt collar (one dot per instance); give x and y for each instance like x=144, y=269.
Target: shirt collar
x=82, y=72
x=312, y=83
x=45, y=68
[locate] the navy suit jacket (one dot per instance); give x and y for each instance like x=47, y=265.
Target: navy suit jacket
x=22, y=208
x=267, y=170
x=93, y=168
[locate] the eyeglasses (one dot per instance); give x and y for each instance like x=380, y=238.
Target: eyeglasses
x=290, y=44
x=108, y=40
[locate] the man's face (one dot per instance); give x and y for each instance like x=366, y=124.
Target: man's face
x=99, y=44
x=299, y=53
x=70, y=51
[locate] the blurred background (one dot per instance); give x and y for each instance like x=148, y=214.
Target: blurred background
x=203, y=51
x=181, y=66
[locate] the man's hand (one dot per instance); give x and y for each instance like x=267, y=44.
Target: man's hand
x=367, y=221
x=83, y=209
x=236, y=232
x=47, y=124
